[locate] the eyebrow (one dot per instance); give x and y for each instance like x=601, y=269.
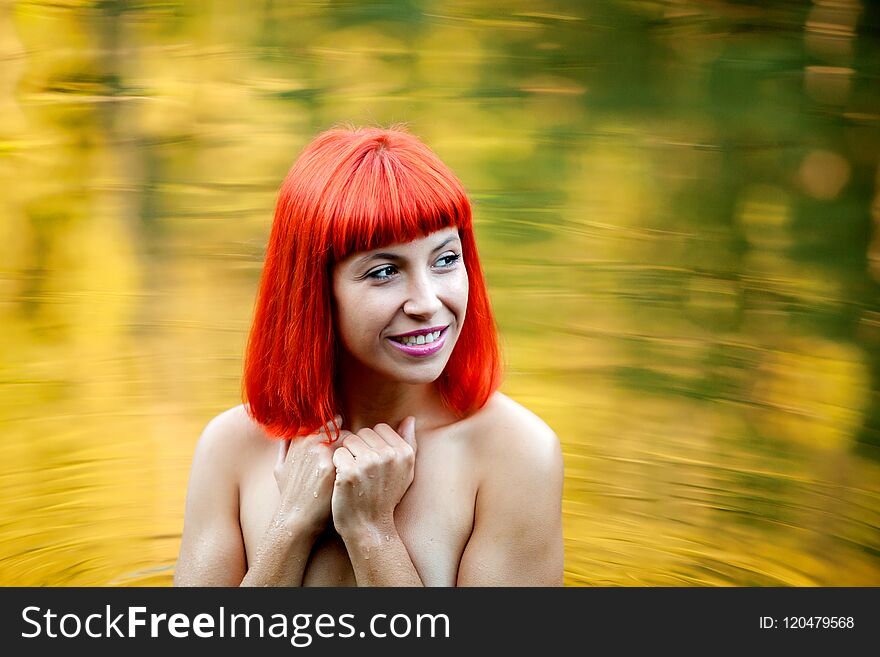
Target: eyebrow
x=397, y=258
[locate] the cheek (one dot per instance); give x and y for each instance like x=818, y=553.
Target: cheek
x=362, y=320
x=459, y=291
x=347, y=323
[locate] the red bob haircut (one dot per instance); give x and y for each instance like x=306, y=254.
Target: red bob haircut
x=351, y=190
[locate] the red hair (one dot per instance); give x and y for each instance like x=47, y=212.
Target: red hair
x=354, y=190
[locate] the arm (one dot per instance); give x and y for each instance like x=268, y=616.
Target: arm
x=379, y=557
x=282, y=555
x=212, y=550
x=517, y=535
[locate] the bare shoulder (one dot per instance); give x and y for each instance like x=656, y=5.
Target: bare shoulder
x=513, y=436
x=228, y=439
x=234, y=423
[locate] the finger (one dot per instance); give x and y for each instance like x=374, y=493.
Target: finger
x=355, y=444
x=283, y=446
x=339, y=428
x=407, y=431
x=333, y=429
x=343, y=434
x=331, y=426
x=372, y=439
x=390, y=436
x=342, y=459
x=327, y=432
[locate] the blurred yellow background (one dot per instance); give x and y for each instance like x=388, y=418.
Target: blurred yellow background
x=678, y=211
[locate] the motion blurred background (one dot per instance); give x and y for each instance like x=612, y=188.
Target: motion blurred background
x=678, y=210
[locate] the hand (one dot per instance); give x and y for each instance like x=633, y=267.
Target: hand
x=304, y=473
x=374, y=468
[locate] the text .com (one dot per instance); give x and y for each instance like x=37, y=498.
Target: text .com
x=299, y=629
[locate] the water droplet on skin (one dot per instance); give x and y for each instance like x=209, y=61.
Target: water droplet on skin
x=315, y=493
x=360, y=493
x=387, y=538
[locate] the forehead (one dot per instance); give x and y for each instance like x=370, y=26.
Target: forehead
x=426, y=243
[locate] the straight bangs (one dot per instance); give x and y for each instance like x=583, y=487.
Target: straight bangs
x=389, y=189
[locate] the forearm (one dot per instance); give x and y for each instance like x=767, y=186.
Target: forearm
x=379, y=557
x=282, y=556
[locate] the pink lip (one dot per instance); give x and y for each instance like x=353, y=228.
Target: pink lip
x=422, y=349
x=422, y=331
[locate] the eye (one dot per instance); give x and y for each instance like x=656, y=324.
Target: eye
x=375, y=274
x=450, y=259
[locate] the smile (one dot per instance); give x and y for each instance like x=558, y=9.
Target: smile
x=423, y=344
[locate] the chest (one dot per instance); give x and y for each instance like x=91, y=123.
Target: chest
x=434, y=519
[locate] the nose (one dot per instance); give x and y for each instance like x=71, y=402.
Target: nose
x=422, y=300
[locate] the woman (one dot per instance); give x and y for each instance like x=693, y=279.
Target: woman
x=374, y=448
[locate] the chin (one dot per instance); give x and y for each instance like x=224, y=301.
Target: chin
x=417, y=375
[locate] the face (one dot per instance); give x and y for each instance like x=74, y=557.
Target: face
x=400, y=309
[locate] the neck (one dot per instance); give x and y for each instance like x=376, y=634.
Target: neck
x=368, y=399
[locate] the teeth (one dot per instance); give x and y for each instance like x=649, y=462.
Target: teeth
x=426, y=338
